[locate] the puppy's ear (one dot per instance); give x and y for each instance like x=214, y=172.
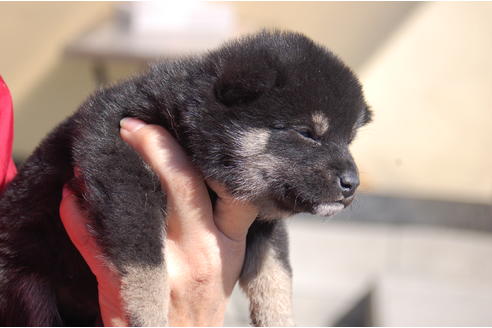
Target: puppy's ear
x=243, y=79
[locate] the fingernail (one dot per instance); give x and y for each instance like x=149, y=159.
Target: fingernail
x=131, y=124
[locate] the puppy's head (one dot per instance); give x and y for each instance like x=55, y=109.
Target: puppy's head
x=277, y=125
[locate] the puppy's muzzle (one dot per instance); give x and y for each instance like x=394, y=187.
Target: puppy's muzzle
x=347, y=182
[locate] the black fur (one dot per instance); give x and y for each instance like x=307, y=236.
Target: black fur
x=271, y=81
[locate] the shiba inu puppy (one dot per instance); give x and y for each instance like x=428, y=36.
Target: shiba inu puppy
x=270, y=116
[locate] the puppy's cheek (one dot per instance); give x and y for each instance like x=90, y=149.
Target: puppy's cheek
x=256, y=166
x=257, y=176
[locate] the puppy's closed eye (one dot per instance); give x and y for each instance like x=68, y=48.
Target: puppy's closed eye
x=306, y=133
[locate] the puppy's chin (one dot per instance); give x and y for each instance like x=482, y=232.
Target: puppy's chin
x=270, y=208
x=328, y=209
x=325, y=209
x=269, y=211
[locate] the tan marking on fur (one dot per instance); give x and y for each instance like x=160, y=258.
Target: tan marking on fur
x=251, y=147
x=254, y=141
x=146, y=296
x=270, y=293
x=321, y=123
x=328, y=209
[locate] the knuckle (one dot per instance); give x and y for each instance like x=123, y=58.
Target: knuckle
x=202, y=277
x=207, y=264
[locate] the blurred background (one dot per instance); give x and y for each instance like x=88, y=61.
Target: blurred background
x=415, y=248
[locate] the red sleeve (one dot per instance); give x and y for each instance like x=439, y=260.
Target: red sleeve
x=7, y=167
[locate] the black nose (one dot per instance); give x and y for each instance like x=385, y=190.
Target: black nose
x=348, y=181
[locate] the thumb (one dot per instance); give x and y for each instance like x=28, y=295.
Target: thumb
x=232, y=217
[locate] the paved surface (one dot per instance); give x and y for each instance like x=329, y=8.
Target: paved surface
x=417, y=275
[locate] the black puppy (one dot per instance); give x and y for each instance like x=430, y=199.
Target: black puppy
x=270, y=116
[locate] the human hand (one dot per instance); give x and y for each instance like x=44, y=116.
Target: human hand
x=205, y=246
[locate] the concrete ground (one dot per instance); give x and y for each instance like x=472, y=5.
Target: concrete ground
x=416, y=275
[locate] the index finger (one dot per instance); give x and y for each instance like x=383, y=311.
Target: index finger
x=232, y=217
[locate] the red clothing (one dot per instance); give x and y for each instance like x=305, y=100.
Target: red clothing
x=7, y=166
